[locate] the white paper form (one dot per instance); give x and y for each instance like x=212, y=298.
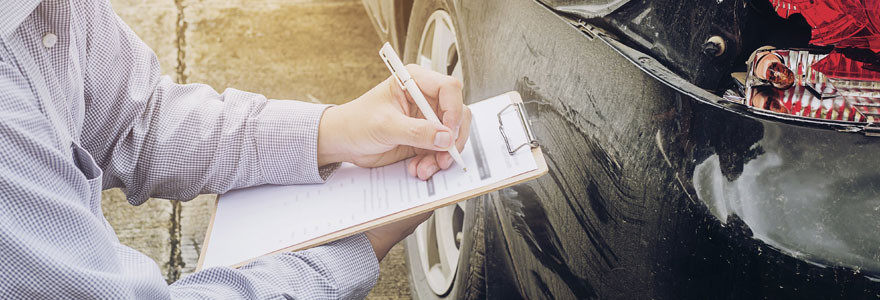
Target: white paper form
x=255, y=221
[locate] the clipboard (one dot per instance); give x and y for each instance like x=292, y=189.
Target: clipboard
x=512, y=146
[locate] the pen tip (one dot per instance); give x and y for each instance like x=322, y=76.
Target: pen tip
x=465, y=169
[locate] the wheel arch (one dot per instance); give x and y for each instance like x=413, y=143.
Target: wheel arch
x=390, y=19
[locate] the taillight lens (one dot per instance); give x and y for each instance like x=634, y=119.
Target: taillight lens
x=851, y=26
x=838, y=66
x=813, y=94
x=843, y=85
x=832, y=20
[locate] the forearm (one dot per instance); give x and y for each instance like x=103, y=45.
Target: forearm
x=56, y=243
x=157, y=138
x=189, y=140
x=345, y=269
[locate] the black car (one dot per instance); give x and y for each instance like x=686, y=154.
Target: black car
x=660, y=186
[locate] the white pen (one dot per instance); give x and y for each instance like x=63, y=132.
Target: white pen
x=406, y=82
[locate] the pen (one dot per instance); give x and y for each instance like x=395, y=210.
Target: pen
x=406, y=82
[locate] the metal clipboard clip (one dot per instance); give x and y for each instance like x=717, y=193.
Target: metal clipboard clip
x=524, y=121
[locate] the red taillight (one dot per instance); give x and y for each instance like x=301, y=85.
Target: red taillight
x=843, y=85
x=800, y=101
x=832, y=20
x=837, y=65
x=851, y=26
x=813, y=94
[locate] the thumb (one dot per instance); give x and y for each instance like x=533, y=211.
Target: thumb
x=420, y=133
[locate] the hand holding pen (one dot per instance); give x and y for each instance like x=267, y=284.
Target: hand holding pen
x=385, y=125
x=407, y=82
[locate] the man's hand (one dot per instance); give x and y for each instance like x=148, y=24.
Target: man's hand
x=384, y=237
x=384, y=126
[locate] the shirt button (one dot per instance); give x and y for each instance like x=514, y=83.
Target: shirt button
x=49, y=40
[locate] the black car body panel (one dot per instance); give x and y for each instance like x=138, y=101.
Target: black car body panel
x=673, y=32
x=676, y=32
x=586, y=8
x=630, y=208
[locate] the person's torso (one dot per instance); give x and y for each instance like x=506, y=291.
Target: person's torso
x=46, y=57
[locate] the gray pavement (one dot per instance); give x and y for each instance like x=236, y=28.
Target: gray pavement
x=309, y=50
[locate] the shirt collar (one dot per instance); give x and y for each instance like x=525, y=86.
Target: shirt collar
x=14, y=12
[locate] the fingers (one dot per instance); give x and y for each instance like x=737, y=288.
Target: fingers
x=464, y=130
x=444, y=91
x=419, y=133
x=424, y=165
x=444, y=159
x=427, y=167
x=444, y=94
x=384, y=237
x=416, y=220
x=412, y=166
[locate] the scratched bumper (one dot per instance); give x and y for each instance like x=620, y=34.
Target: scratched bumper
x=655, y=189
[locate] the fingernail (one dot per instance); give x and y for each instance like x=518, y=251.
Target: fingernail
x=442, y=139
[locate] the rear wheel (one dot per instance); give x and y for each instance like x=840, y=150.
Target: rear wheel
x=445, y=254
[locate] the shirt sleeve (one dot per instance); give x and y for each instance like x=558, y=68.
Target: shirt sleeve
x=156, y=138
x=55, y=242
x=327, y=270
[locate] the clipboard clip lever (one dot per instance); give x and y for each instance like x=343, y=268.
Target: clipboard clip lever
x=531, y=141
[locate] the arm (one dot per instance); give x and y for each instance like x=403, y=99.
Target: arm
x=156, y=138
x=153, y=137
x=55, y=242
x=345, y=269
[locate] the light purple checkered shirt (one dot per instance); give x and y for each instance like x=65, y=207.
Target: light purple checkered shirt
x=83, y=108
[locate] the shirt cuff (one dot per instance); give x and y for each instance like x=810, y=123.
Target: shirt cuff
x=287, y=142
x=352, y=263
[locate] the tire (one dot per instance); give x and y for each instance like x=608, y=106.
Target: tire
x=469, y=280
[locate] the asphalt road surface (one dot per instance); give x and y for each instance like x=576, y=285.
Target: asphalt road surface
x=309, y=50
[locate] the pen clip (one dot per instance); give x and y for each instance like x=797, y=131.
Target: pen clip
x=390, y=68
